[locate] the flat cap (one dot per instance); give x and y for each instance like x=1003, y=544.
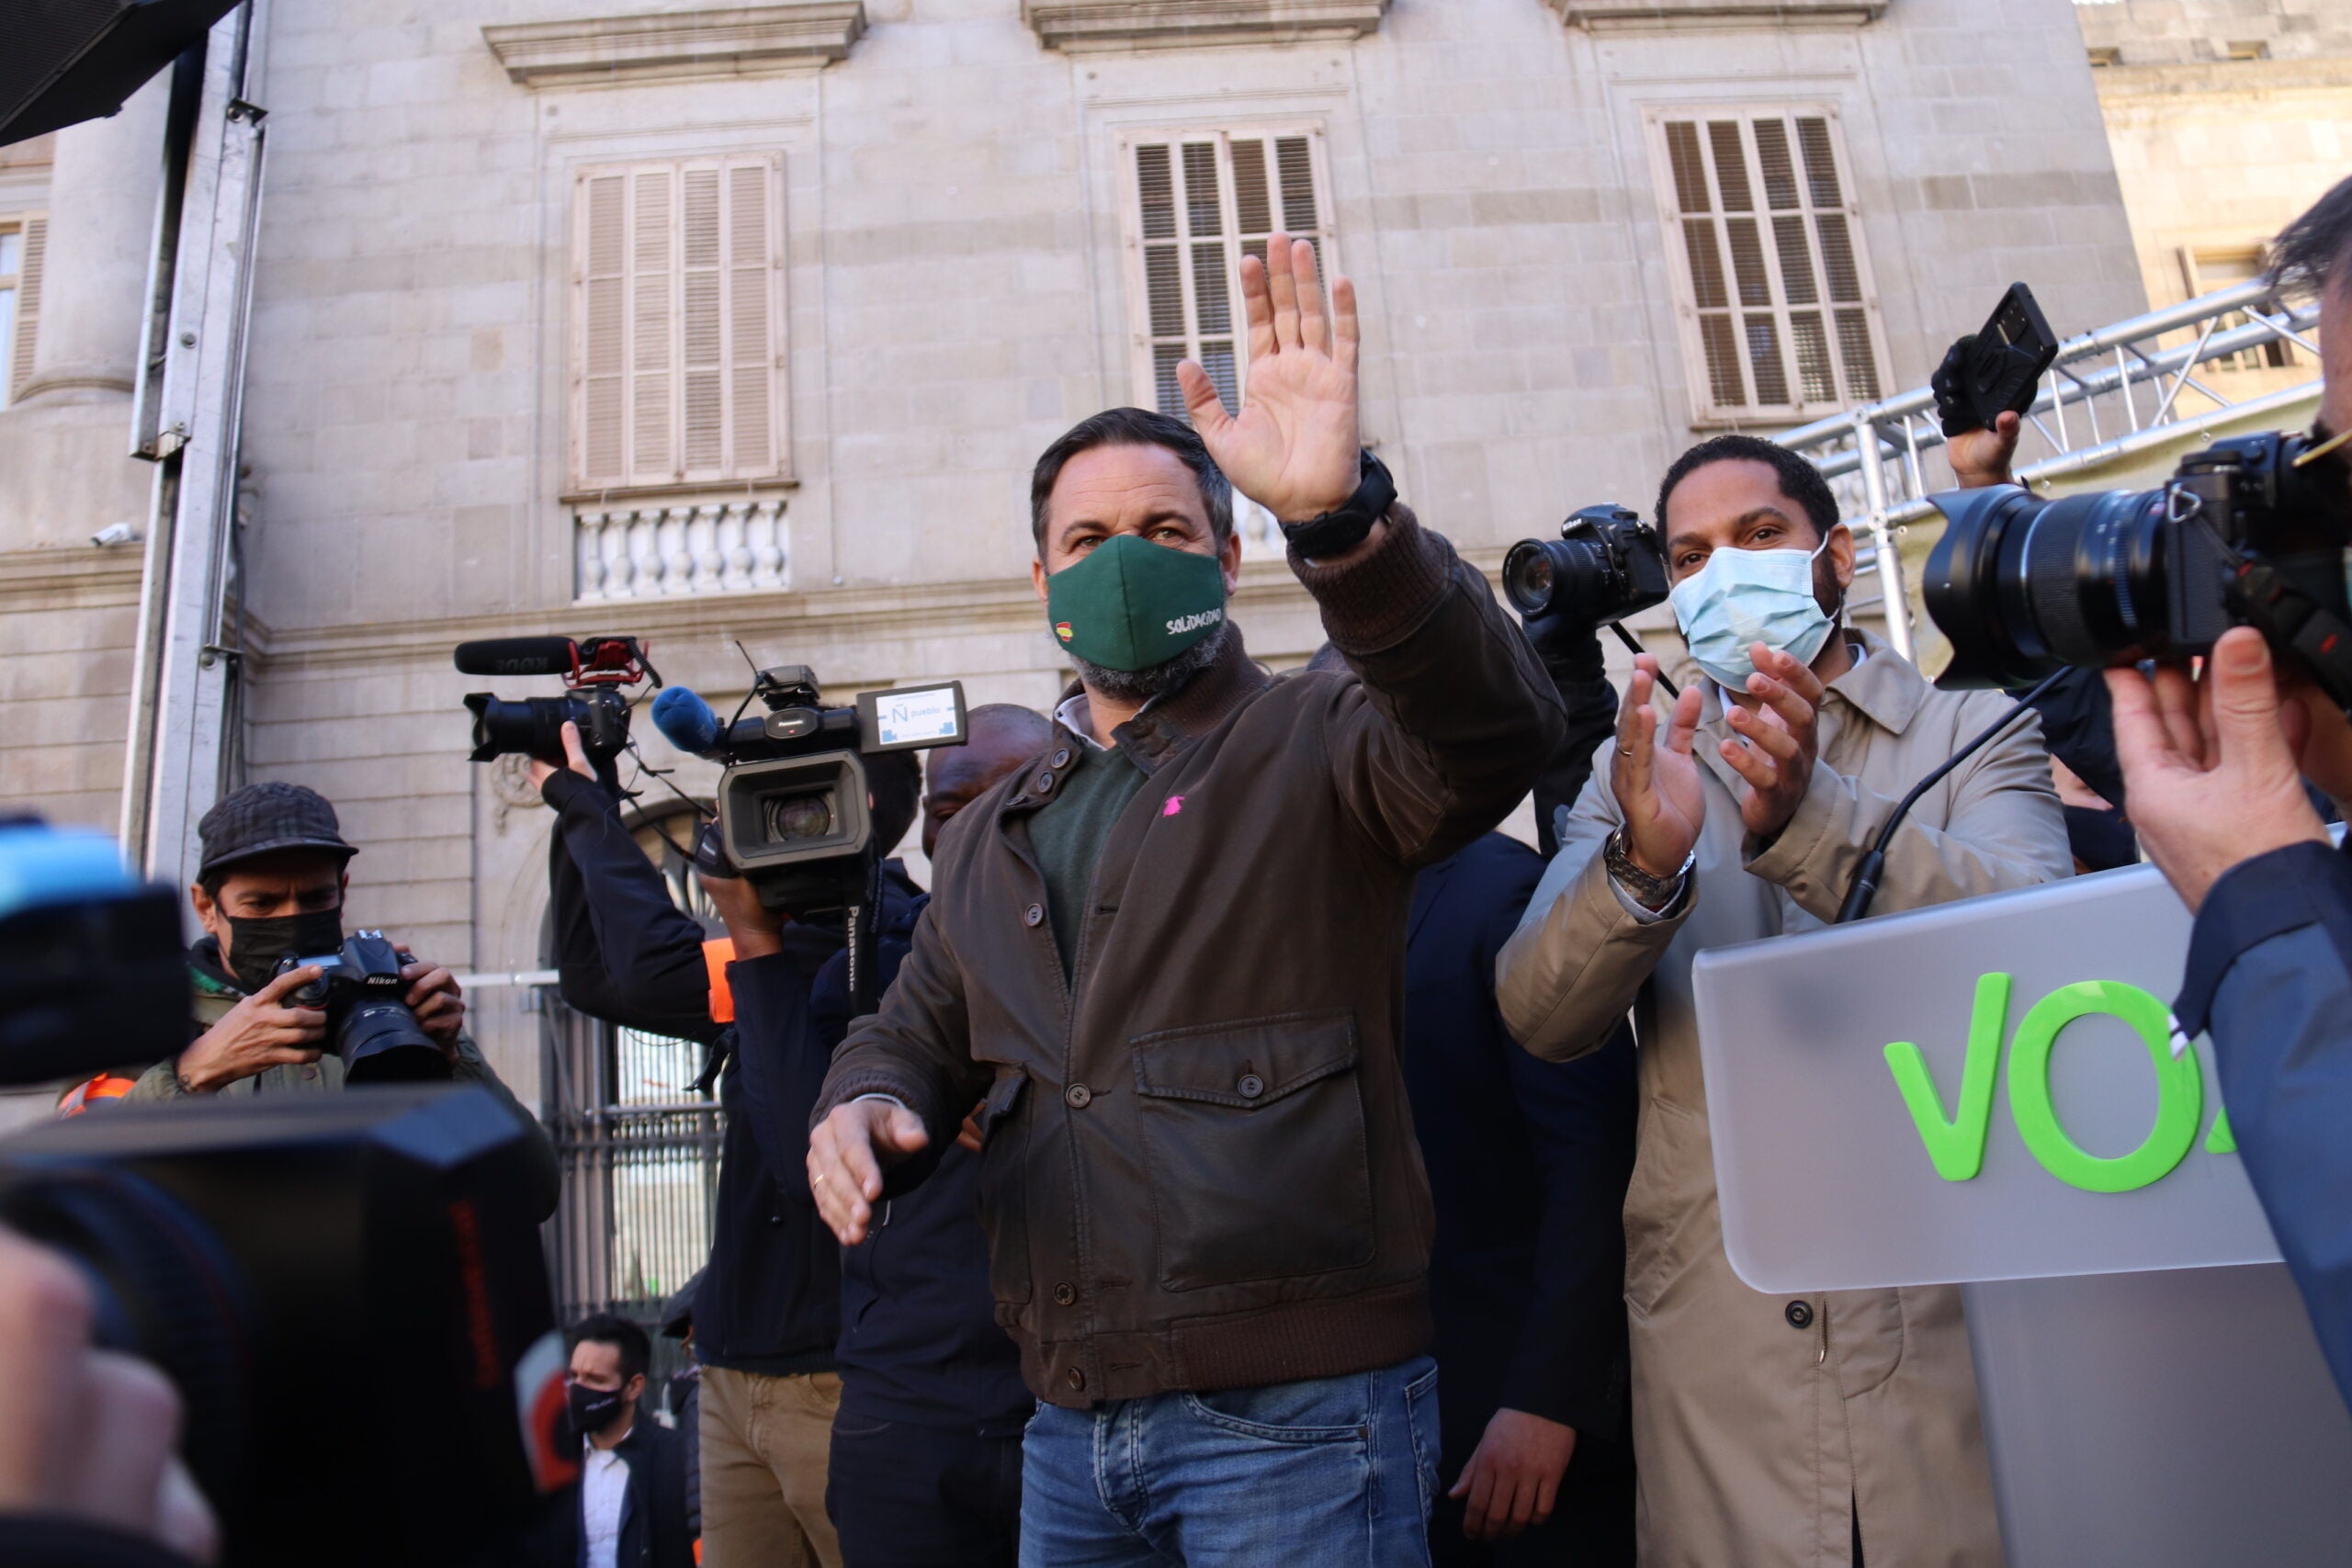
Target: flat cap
x=263, y=818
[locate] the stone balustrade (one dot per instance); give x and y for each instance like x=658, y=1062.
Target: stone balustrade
x=657, y=551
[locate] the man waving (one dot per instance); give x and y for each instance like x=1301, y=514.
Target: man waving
x=1166, y=962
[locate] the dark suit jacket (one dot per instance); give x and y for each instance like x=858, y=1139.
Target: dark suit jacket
x=653, y=1513
x=1528, y=1162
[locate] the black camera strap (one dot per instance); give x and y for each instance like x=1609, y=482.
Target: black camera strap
x=2269, y=600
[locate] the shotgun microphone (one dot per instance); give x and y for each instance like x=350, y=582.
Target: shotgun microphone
x=518, y=656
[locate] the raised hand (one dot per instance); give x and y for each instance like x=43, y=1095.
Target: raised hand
x=1777, y=760
x=1983, y=457
x=1294, y=447
x=1655, y=777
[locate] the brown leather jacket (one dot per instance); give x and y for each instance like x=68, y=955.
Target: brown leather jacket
x=1200, y=1168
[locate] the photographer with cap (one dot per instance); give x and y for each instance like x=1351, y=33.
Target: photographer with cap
x=2217, y=768
x=1168, y=959
x=270, y=886
x=1771, y=1430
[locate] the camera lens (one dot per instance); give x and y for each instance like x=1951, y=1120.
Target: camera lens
x=800, y=817
x=1529, y=576
x=383, y=1043
x=2025, y=586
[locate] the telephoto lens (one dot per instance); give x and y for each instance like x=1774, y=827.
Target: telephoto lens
x=2023, y=586
x=533, y=727
x=1606, y=564
x=2248, y=531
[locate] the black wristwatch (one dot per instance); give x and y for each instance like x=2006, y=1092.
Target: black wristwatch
x=1342, y=528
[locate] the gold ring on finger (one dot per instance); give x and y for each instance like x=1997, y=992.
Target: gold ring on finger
x=818, y=1182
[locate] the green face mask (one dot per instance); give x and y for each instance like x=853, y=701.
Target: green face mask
x=1129, y=603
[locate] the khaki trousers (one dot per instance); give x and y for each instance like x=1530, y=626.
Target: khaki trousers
x=764, y=1445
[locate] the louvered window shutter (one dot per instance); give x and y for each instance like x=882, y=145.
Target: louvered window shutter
x=31, y=263
x=679, y=341
x=1775, y=291
x=1201, y=202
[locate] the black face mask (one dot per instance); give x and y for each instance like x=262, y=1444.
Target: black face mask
x=257, y=945
x=593, y=1409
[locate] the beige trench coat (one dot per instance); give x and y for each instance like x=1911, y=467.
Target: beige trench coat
x=1761, y=1423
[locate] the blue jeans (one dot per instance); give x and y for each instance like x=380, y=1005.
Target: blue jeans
x=1334, y=1472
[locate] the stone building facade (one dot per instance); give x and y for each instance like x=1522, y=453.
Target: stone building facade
x=2227, y=117
x=746, y=324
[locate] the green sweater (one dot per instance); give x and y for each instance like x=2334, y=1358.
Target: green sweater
x=1068, y=834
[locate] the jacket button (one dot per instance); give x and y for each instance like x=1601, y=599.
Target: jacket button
x=1077, y=1378
x=1252, y=1085
x=1061, y=756
x=1034, y=915
x=1799, y=1314
x=1065, y=1293
x=1045, y=784
x=1079, y=1096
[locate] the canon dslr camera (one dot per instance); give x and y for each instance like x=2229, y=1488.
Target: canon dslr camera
x=369, y=1024
x=1607, y=564
x=2252, y=531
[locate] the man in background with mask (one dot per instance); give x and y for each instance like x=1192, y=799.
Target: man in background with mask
x=1771, y=1431
x=629, y=1508
x=269, y=886
x=1165, y=959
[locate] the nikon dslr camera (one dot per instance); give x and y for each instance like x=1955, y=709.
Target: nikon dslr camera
x=2252, y=531
x=368, y=1024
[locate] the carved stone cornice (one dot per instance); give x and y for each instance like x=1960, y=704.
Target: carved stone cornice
x=1078, y=26
x=70, y=577
x=1666, y=16
x=746, y=40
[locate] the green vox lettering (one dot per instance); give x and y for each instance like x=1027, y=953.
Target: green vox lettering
x=1955, y=1144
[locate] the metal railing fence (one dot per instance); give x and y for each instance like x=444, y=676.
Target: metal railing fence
x=2122, y=391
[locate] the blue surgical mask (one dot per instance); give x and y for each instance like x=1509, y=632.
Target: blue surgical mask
x=1742, y=597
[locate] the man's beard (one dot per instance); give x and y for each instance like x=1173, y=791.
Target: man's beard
x=1157, y=680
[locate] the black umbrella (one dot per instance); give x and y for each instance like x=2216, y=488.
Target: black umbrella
x=62, y=62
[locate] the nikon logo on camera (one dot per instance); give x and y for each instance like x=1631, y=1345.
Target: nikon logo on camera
x=1183, y=624
x=1955, y=1144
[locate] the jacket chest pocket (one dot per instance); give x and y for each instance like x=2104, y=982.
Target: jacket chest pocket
x=1004, y=1182
x=1253, y=1138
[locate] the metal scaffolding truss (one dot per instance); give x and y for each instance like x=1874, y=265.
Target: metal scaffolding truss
x=2112, y=394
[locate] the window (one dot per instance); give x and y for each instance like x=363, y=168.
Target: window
x=1195, y=204
x=1779, y=316
x=2103, y=55
x=677, y=325
x=2207, y=269
x=2247, y=48
x=23, y=241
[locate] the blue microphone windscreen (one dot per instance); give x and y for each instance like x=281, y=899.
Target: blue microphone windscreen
x=685, y=720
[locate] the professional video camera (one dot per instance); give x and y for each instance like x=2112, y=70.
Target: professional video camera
x=594, y=670
x=345, y=1289
x=792, y=807
x=2252, y=531
x=367, y=1021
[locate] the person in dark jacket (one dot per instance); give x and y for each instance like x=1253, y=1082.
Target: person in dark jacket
x=1528, y=1162
x=682, y=1399
x=767, y=1310
x=628, y=1508
x=1169, y=960
x=2219, y=782
x=925, y=1470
